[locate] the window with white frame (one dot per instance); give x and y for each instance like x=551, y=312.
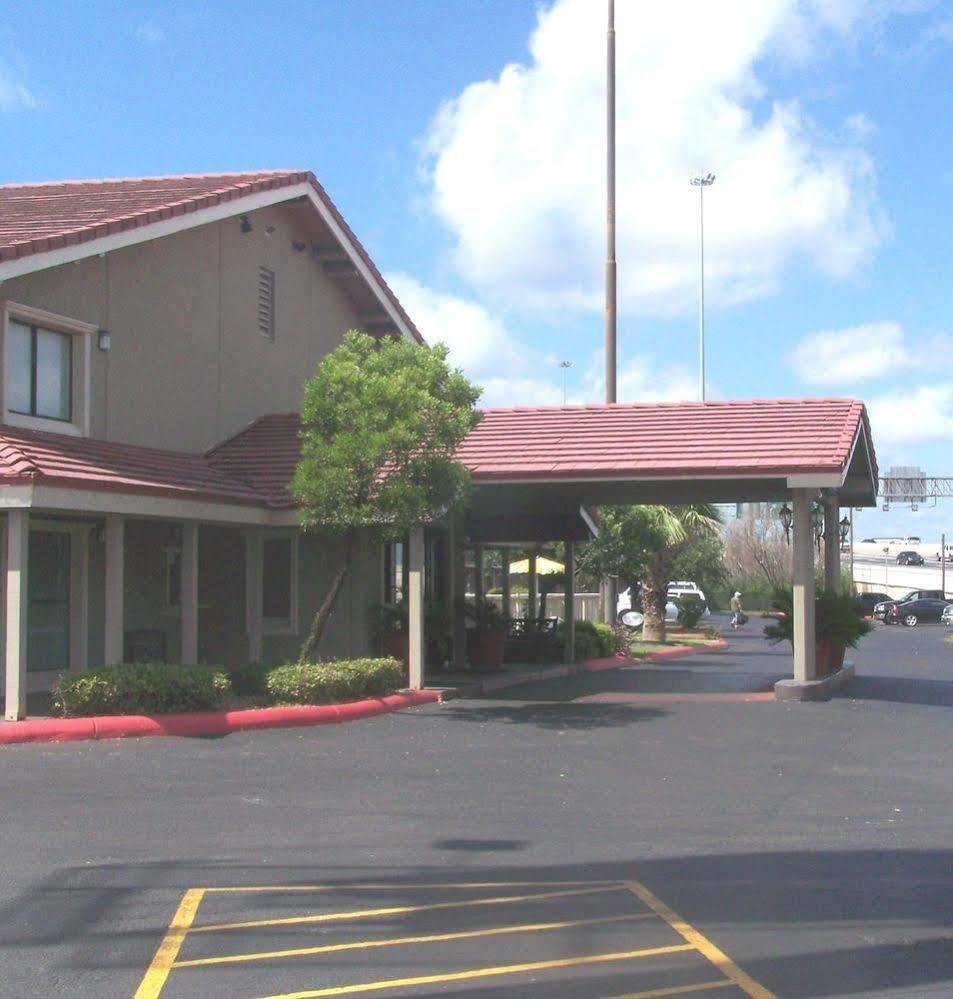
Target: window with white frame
x=46, y=365
x=279, y=590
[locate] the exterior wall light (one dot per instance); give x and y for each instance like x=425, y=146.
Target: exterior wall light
x=103, y=339
x=244, y=223
x=844, y=526
x=786, y=519
x=817, y=522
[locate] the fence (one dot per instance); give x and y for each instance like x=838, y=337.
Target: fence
x=585, y=605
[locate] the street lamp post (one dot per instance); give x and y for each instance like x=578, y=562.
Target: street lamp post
x=701, y=183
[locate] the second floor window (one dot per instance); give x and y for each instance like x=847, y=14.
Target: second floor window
x=40, y=373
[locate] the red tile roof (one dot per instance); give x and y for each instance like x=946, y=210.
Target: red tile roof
x=36, y=218
x=33, y=457
x=754, y=439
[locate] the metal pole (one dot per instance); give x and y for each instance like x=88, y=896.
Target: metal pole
x=610, y=211
x=701, y=292
x=852, y=584
x=943, y=563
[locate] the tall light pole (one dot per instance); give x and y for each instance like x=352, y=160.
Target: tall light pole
x=701, y=183
x=565, y=365
x=610, y=210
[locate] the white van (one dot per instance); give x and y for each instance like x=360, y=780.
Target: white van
x=676, y=589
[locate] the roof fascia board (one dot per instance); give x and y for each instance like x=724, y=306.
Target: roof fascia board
x=861, y=434
x=149, y=231
x=824, y=479
x=815, y=481
x=16, y=497
x=357, y=260
x=90, y=501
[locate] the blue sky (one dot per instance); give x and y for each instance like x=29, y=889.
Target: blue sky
x=463, y=142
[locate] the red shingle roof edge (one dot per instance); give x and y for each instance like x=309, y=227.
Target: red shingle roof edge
x=71, y=217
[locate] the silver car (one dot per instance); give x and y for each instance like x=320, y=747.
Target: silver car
x=947, y=616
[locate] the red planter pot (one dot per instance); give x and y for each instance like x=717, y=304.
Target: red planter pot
x=396, y=645
x=485, y=650
x=829, y=657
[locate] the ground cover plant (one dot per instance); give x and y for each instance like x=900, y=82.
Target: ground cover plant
x=141, y=688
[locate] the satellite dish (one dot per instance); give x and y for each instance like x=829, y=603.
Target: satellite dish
x=632, y=618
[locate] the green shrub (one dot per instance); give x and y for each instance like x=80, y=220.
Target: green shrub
x=690, y=611
x=249, y=679
x=594, y=640
x=837, y=618
x=325, y=683
x=140, y=688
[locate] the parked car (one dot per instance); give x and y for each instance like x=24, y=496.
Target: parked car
x=914, y=612
x=909, y=558
x=870, y=600
x=947, y=616
x=676, y=589
x=881, y=609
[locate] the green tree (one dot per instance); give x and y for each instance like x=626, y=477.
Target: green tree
x=702, y=559
x=641, y=543
x=380, y=425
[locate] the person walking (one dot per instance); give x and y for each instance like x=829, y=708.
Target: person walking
x=737, y=613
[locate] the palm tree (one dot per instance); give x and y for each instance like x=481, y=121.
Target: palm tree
x=667, y=529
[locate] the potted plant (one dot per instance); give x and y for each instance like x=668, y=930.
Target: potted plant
x=395, y=640
x=838, y=625
x=486, y=640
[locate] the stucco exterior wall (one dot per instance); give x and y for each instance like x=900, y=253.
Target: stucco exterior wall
x=188, y=366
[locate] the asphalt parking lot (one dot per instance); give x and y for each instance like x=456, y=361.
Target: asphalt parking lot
x=572, y=838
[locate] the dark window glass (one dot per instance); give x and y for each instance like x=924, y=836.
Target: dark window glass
x=40, y=372
x=174, y=580
x=276, y=578
x=19, y=368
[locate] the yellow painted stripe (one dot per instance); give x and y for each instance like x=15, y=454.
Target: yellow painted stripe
x=394, y=910
x=680, y=990
x=391, y=886
x=154, y=978
x=426, y=938
x=463, y=976
x=714, y=954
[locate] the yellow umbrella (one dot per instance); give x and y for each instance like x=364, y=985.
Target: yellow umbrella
x=544, y=566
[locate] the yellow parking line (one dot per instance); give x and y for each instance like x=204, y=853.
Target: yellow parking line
x=394, y=910
x=462, y=976
x=158, y=971
x=717, y=957
x=425, y=938
x=235, y=889
x=680, y=990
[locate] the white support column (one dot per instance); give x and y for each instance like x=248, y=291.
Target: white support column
x=415, y=608
x=17, y=602
x=253, y=574
x=804, y=665
x=831, y=544
x=569, y=608
x=459, y=570
x=115, y=587
x=479, y=588
x=190, y=592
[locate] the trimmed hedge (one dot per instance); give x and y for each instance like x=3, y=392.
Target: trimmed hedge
x=326, y=683
x=140, y=688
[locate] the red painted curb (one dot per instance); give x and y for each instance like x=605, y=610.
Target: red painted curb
x=609, y=662
x=680, y=651
x=206, y=722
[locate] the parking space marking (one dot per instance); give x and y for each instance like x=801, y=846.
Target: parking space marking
x=463, y=976
x=426, y=938
x=168, y=951
x=394, y=910
x=701, y=943
x=391, y=886
x=681, y=990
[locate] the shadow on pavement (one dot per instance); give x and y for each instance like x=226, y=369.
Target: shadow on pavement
x=557, y=715
x=899, y=690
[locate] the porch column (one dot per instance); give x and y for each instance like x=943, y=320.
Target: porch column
x=531, y=596
x=115, y=583
x=79, y=599
x=831, y=544
x=17, y=602
x=415, y=608
x=190, y=592
x=569, y=609
x=804, y=666
x=479, y=587
x=505, y=586
x=253, y=569
x=459, y=570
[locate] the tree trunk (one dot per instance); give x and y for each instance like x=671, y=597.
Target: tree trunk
x=323, y=613
x=654, y=595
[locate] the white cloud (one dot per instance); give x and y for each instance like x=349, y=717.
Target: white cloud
x=13, y=94
x=914, y=415
x=870, y=350
x=641, y=379
x=481, y=344
x=150, y=33
x=515, y=165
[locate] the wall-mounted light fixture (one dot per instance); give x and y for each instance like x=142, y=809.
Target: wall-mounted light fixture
x=269, y=230
x=103, y=339
x=244, y=223
x=298, y=247
x=844, y=528
x=787, y=519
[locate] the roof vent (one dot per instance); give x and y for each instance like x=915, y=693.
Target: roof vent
x=266, y=302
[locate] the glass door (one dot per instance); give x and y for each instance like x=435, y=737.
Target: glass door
x=48, y=620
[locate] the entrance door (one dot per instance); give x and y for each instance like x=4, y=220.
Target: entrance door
x=48, y=641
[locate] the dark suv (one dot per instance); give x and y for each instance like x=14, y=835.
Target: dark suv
x=909, y=558
x=914, y=612
x=881, y=609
